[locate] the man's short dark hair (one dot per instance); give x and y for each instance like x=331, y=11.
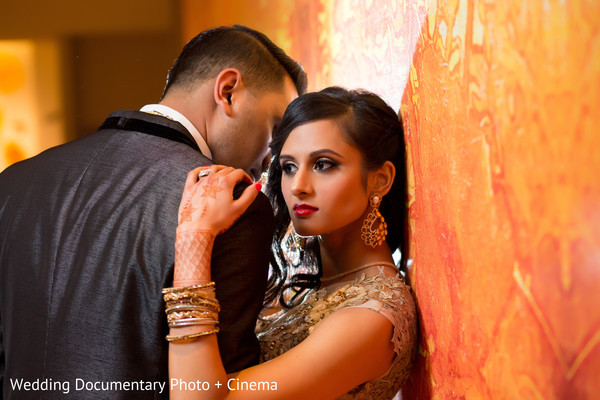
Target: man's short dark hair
x=262, y=63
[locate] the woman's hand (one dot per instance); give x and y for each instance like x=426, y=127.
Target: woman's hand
x=207, y=203
x=207, y=209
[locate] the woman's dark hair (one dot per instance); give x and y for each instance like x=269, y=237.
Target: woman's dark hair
x=371, y=126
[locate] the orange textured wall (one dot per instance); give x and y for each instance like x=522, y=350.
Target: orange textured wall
x=501, y=113
x=502, y=116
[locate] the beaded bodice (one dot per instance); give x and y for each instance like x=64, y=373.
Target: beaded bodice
x=389, y=296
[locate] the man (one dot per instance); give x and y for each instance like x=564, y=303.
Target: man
x=87, y=229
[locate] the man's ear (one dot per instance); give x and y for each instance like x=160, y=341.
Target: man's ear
x=227, y=85
x=381, y=180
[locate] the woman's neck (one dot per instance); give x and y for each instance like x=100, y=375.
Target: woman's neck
x=342, y=252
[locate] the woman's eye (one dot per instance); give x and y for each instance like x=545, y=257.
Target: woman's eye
x=324, y=164
x=288, y=168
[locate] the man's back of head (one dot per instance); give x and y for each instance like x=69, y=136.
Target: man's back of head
x=262, y=63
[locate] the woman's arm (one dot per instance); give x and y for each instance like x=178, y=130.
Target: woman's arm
x=330, y=362
x=347, y=348
x=207, y=208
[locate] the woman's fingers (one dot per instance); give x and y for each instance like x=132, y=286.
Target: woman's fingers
x=192, y=176
x=227, y=176
x=214, y=171
x=243, y=202
x=247, y=197
x=208, y=202
x=235, y=176
x=221, y=170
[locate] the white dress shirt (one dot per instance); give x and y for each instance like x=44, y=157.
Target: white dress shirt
x=175, y=115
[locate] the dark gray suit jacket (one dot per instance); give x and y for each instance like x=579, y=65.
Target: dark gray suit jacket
x=87, y=235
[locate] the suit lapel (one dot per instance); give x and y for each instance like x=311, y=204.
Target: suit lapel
x=155, y=125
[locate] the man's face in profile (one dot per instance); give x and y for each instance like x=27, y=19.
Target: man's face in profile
x=245, y=145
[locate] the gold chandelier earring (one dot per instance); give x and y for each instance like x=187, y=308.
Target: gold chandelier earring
x=371, y=235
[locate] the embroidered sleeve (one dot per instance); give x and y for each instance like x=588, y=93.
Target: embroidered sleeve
x=392, y=299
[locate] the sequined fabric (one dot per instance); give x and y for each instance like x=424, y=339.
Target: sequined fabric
x=389, y=296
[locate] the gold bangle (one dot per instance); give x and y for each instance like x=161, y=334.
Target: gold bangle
x=182, y=288
x=192, y=300
x=171, y=338
x=175, y=316
x=179, y=307
x=204, y=302
x=192, y=322
x=196, y=304
x=189, y=294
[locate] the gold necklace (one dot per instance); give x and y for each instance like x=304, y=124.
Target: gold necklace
x=373, y=264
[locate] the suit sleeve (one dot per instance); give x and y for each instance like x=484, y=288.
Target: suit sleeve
x=240, y=264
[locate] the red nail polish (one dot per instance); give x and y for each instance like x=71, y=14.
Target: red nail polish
x=258, y=186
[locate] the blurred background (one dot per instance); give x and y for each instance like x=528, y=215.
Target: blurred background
x=65, y=65
x=501, y=107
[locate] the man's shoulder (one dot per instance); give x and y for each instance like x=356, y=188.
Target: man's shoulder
x=260, y=206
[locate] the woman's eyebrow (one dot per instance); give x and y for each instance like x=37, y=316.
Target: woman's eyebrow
x=325, y=151
x=287, y=157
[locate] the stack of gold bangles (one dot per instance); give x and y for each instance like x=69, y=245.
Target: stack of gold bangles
x=190, y=306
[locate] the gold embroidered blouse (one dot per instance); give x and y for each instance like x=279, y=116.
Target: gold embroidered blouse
x=388, y=296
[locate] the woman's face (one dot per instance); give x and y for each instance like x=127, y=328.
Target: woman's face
x=323, y=179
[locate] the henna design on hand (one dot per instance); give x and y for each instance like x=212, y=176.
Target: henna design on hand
x=187, y=210
x=211, y=188
x=204, y=210
x=193, y=251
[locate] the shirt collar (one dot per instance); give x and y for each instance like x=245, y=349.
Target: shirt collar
x=175, y=115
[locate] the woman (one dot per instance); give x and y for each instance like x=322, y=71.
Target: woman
x=338, y=174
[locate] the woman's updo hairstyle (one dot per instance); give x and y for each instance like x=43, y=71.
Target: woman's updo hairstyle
x=368, y=124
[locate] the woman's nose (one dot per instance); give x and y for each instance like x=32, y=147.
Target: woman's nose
x=301, y=184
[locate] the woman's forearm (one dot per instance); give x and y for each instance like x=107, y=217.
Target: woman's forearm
x=192, y=250
x=196, y=370
x=195, y=364
x=207, y=208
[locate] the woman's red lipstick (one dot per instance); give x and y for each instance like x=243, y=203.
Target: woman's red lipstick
x=304, y=209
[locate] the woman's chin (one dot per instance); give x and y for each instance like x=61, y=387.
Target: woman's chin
x=303, y=231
